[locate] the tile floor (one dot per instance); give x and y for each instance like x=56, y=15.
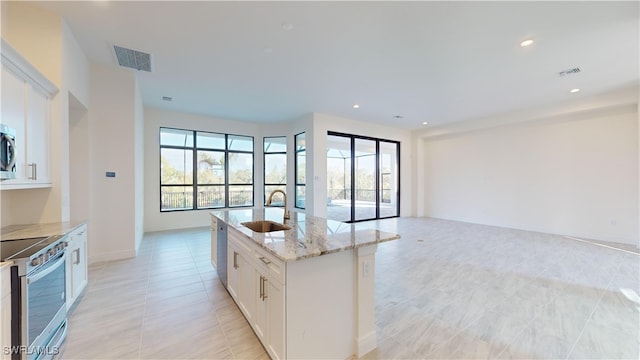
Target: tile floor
x=445, y=290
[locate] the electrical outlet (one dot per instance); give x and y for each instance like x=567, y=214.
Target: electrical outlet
x=366, y=268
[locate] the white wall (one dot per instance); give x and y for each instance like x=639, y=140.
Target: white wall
x=75, y=88
x=317, y=157
x=45, y=40
x=573, y=174
x=113, y=144
x=154, y=220
x=138, y=167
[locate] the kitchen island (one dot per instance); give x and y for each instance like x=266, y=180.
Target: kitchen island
x=307, y=291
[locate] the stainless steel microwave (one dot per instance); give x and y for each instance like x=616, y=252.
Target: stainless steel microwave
x=7, y=153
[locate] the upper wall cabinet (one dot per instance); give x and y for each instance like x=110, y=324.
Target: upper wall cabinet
x=26, y=107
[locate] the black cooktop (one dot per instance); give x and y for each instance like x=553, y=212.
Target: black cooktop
x=23, y=248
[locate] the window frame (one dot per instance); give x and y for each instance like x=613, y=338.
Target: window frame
x=195, y=184
x=397, y=144
x=295, y=173
x=264, y=166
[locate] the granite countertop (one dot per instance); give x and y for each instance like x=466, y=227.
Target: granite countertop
x=15, y=232
x=309, y=236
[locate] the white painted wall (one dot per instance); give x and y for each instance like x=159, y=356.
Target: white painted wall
x=573, y=174
x=37, y=34
x=45, y=40
x=75, y=88
x=138, y=167
x=316, y=178
x=79, y=162
x=113, y=144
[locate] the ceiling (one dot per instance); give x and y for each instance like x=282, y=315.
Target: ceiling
x=435, y=62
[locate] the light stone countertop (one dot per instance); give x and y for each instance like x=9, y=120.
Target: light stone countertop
x=15, y=232
x=5, y=263
x=309, y=236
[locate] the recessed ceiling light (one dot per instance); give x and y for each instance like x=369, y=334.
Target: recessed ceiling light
x=573, y=91
x=398, y=116
x=287, y=26
x=425, y=123
x=167, y=98
x=268, y=50
x=356, y=106
x=526, y=43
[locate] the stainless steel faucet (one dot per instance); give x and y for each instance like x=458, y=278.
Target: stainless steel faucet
x=286, y=212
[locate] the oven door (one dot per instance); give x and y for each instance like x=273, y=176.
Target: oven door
x=46, y=309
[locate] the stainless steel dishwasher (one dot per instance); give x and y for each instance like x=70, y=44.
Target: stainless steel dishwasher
x=222, y=252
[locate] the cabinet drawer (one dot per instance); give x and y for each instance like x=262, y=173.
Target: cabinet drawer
x=243, y=244
x=272, y=266
x=78, y=232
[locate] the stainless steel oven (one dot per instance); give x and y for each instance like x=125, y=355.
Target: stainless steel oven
x=38, y=302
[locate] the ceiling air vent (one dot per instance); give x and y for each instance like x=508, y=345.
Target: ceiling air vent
x=574, y=70
x=132, y=58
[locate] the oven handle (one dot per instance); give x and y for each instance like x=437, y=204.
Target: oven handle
x=40, y=273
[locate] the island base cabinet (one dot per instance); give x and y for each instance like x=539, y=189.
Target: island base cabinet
x=300, y=309
x=269, y=316
x=240, y=275
x=321, y=307
x=274, y=308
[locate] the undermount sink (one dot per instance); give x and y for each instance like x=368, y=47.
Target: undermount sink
x=263, y=226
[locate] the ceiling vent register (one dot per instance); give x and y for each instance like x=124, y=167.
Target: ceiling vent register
x=574, y=70
x=132, y=58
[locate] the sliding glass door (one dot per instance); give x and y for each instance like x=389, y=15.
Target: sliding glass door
x=362, y=178
x=389, y=184
x=364, y=161
x=339, y=178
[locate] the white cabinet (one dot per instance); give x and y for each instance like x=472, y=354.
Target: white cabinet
x=240, y=278
x=76, y=260
x=269, y=316
x=5, y=311
x=26, y=107
x=37, y=152
x=255, y=281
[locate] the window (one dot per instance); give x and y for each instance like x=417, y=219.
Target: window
x=275, y=168
x=203, y=170
x=300, y=170
x=363, y=178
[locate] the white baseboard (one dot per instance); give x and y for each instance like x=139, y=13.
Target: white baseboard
x=117, y=255
x=366, y=343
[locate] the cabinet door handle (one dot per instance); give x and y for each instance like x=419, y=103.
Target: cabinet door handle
x=77, y=261
x=264, y=260
x=261, y=288
x=34, y=171
x=235, y=260
x=264, y=288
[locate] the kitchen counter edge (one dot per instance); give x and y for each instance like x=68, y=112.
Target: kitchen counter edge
x=16, y=232
x=376, y=236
